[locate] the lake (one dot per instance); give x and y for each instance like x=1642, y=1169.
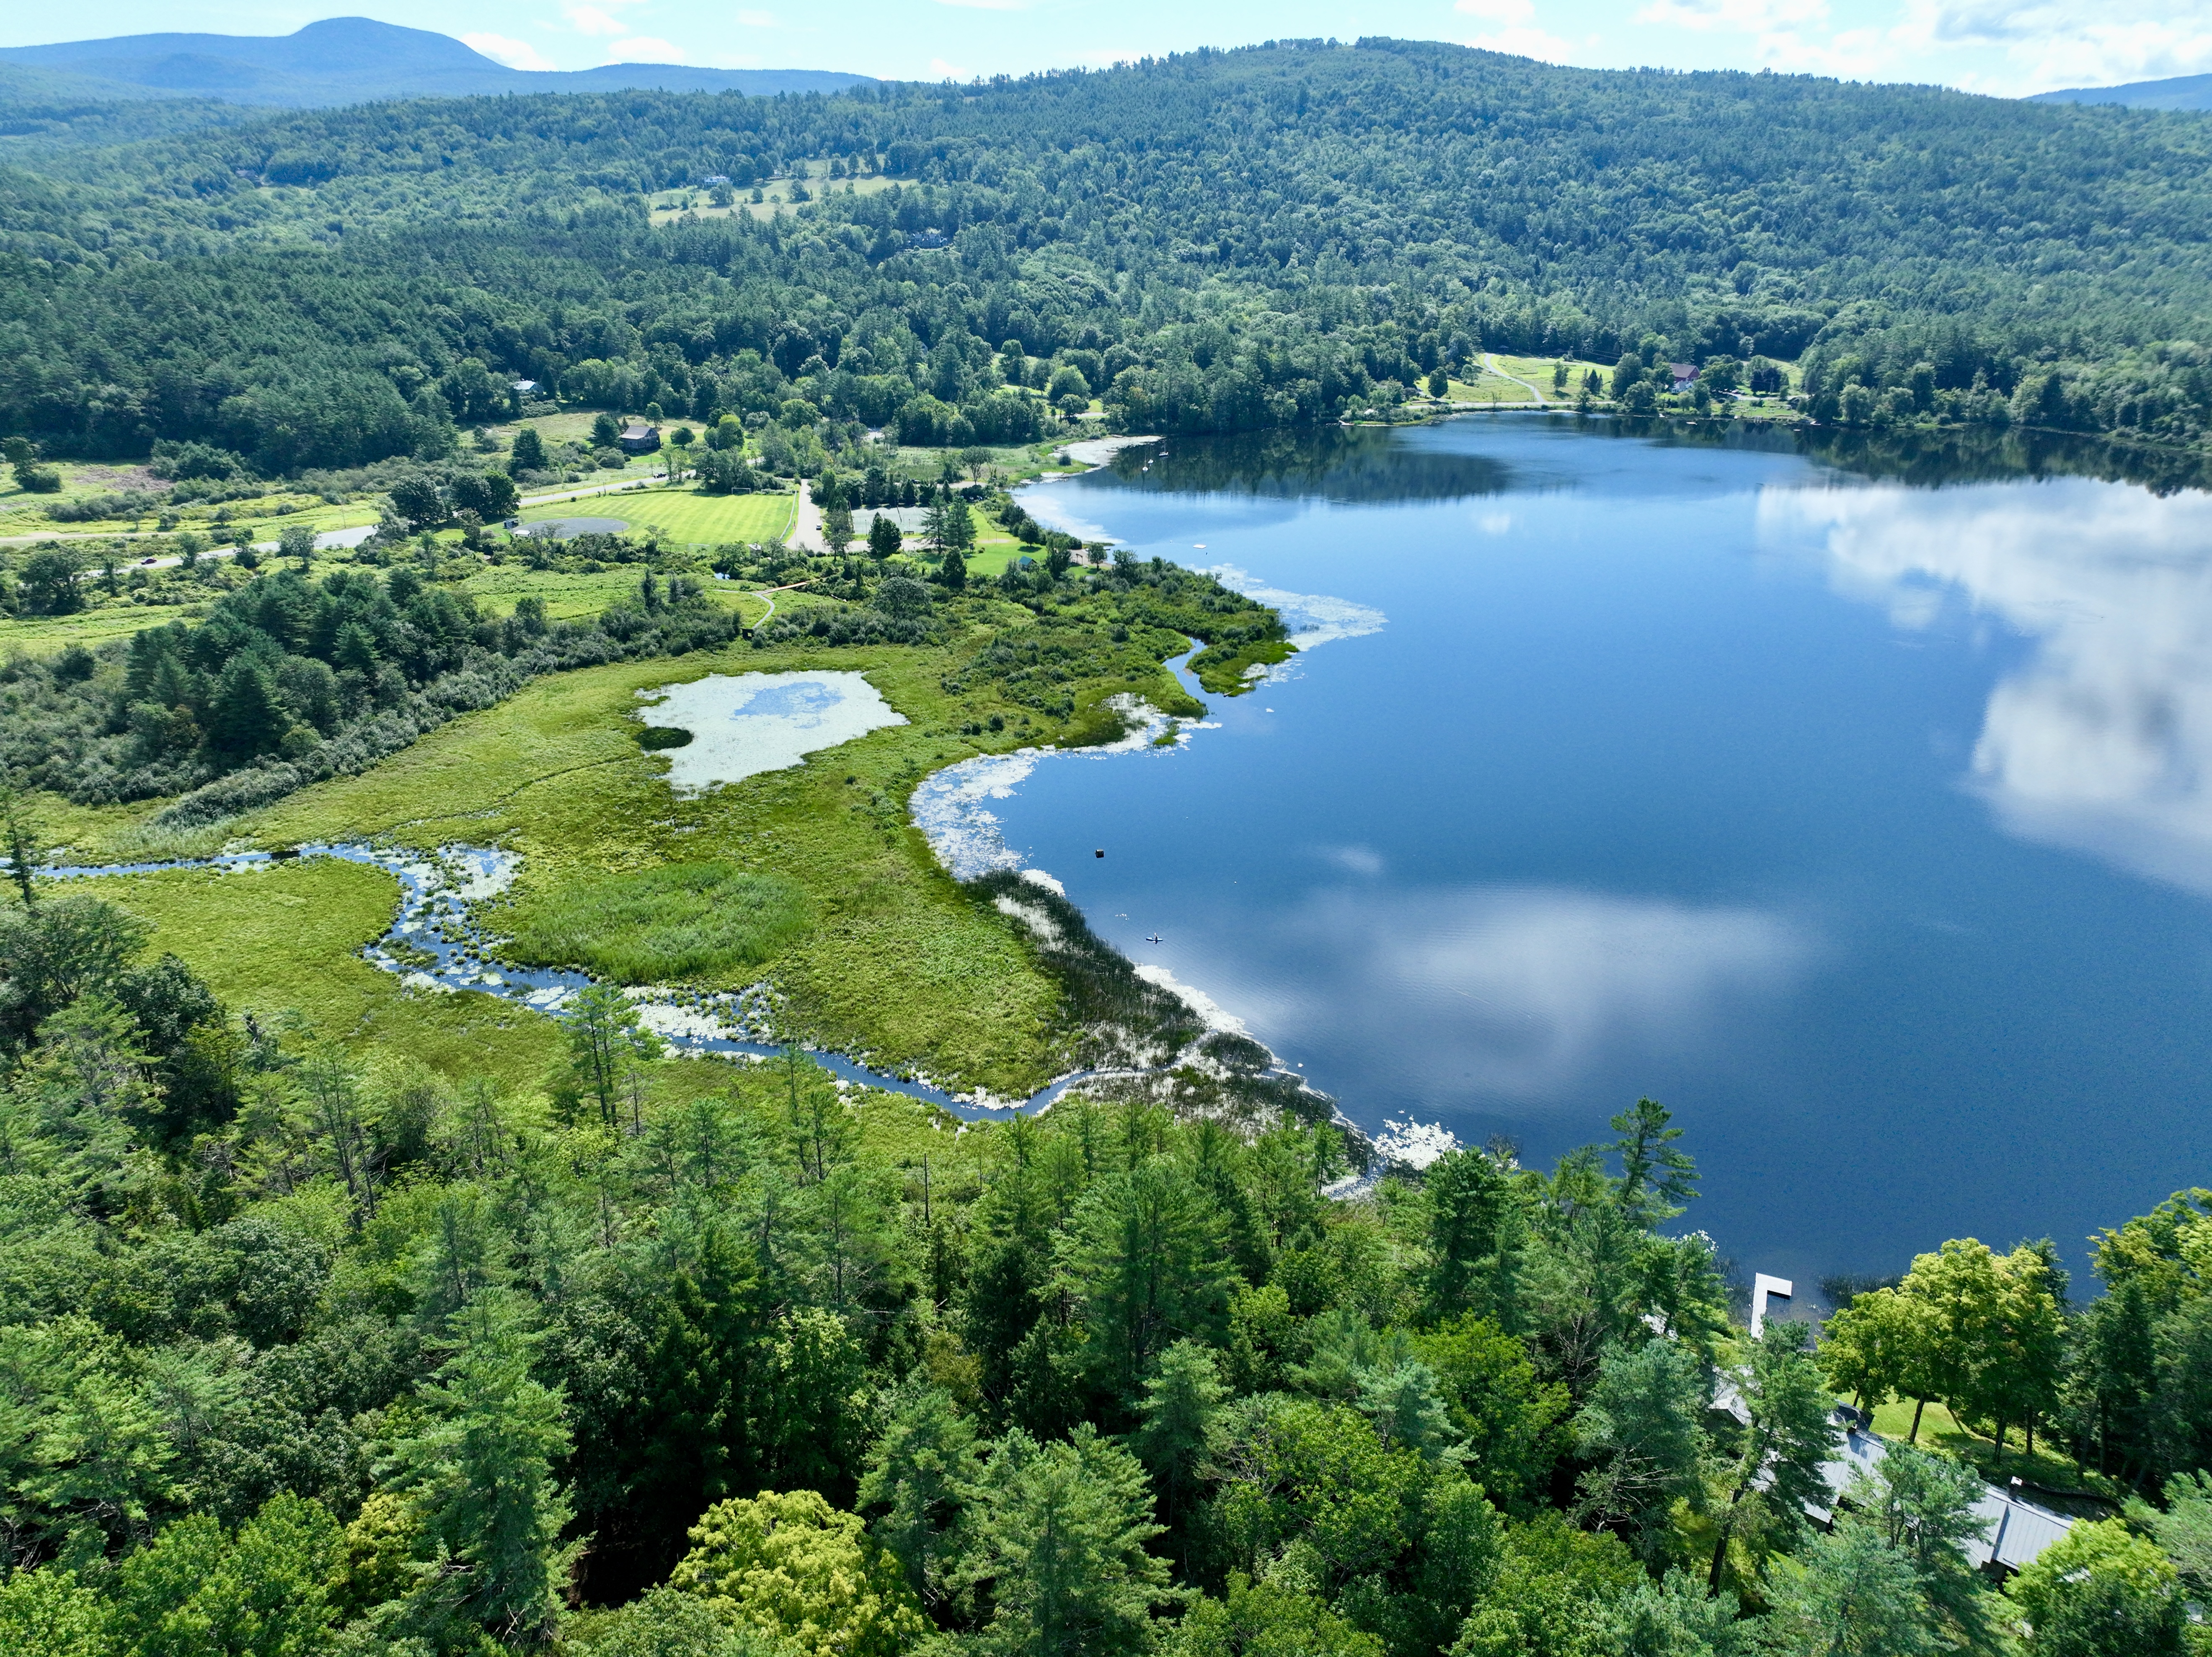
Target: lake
x=1866, y=823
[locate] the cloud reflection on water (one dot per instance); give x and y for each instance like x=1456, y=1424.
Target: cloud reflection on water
x=1521, y=991
x=2102, y=741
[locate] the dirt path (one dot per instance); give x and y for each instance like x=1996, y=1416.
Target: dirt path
x=1490, y=362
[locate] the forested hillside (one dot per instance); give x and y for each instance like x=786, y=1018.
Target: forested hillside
x=1222, y=241
x=304, y=1351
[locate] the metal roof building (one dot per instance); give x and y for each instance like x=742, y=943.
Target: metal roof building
x=2018, y=1529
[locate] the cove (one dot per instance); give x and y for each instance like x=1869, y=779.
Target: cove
x=1855, y=806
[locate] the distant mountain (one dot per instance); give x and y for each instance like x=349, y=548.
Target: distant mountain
x=2183, y=91
x=347, y=60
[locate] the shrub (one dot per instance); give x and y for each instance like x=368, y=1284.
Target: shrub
x=790, y=1564
x=131, y=504
x=181, y=460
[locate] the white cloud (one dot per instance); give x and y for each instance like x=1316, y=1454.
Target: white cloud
x=1517, y=36
x=515, y=54
x=1525, y=42
x=590, y=20
x=1358, y=859
x=2101, y=741
x=940, y=70
x=1524, y=990
x=2043, y=44
x=644, y=49
x=1735, y=16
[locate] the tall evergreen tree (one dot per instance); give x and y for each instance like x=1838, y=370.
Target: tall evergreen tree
x=479, y=1469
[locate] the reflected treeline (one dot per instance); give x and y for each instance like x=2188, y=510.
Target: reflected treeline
x=1374, y=464
x=1333, y=463
x=1977, y=455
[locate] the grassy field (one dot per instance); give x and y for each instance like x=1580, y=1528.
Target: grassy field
x=568, y=597
x=283, y=943
x=2048, y=1467
x=668, y=206
x=685, y=515
x=264, y=519
x=1486, y=386
x=44, y=635
x=285, y=940
x=571, y=596
x=898, y=964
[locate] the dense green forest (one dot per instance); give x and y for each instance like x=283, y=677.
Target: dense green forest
x=1215, y=241
x=302, y=1352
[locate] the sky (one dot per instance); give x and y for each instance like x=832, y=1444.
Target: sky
x=2004, y=47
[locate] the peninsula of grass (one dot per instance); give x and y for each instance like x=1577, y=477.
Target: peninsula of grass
x=897, y=963
x=1226, y=669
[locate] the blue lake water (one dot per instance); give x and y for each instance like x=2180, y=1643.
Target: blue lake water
x=1867, y=826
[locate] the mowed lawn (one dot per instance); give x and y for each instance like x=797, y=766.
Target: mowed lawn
x=684, y=515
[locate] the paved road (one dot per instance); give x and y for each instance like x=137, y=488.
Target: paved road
x=807, y=522
x=328, y=541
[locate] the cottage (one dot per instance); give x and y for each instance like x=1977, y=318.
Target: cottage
x=639, y=438
x=524, y=387
x=933, y=237
x=1684, y=373
x=713, y=179
x=2016, y=1529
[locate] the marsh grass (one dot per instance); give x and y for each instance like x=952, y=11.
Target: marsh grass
x=681, y=920
x=149, y=842
x=283, y=944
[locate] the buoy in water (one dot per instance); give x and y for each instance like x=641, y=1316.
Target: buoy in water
x=1101, y=852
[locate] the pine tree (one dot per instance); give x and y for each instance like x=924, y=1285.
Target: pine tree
x=1060, y=1537
x=247, y=717
x=1776, y=1472
x=922, y=1473
x=480, y=1470
x=1181, y=1403
x=604, y=1033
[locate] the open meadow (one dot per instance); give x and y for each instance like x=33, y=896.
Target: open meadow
x=284, y=942
x=667, y=206
x=685, y=515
